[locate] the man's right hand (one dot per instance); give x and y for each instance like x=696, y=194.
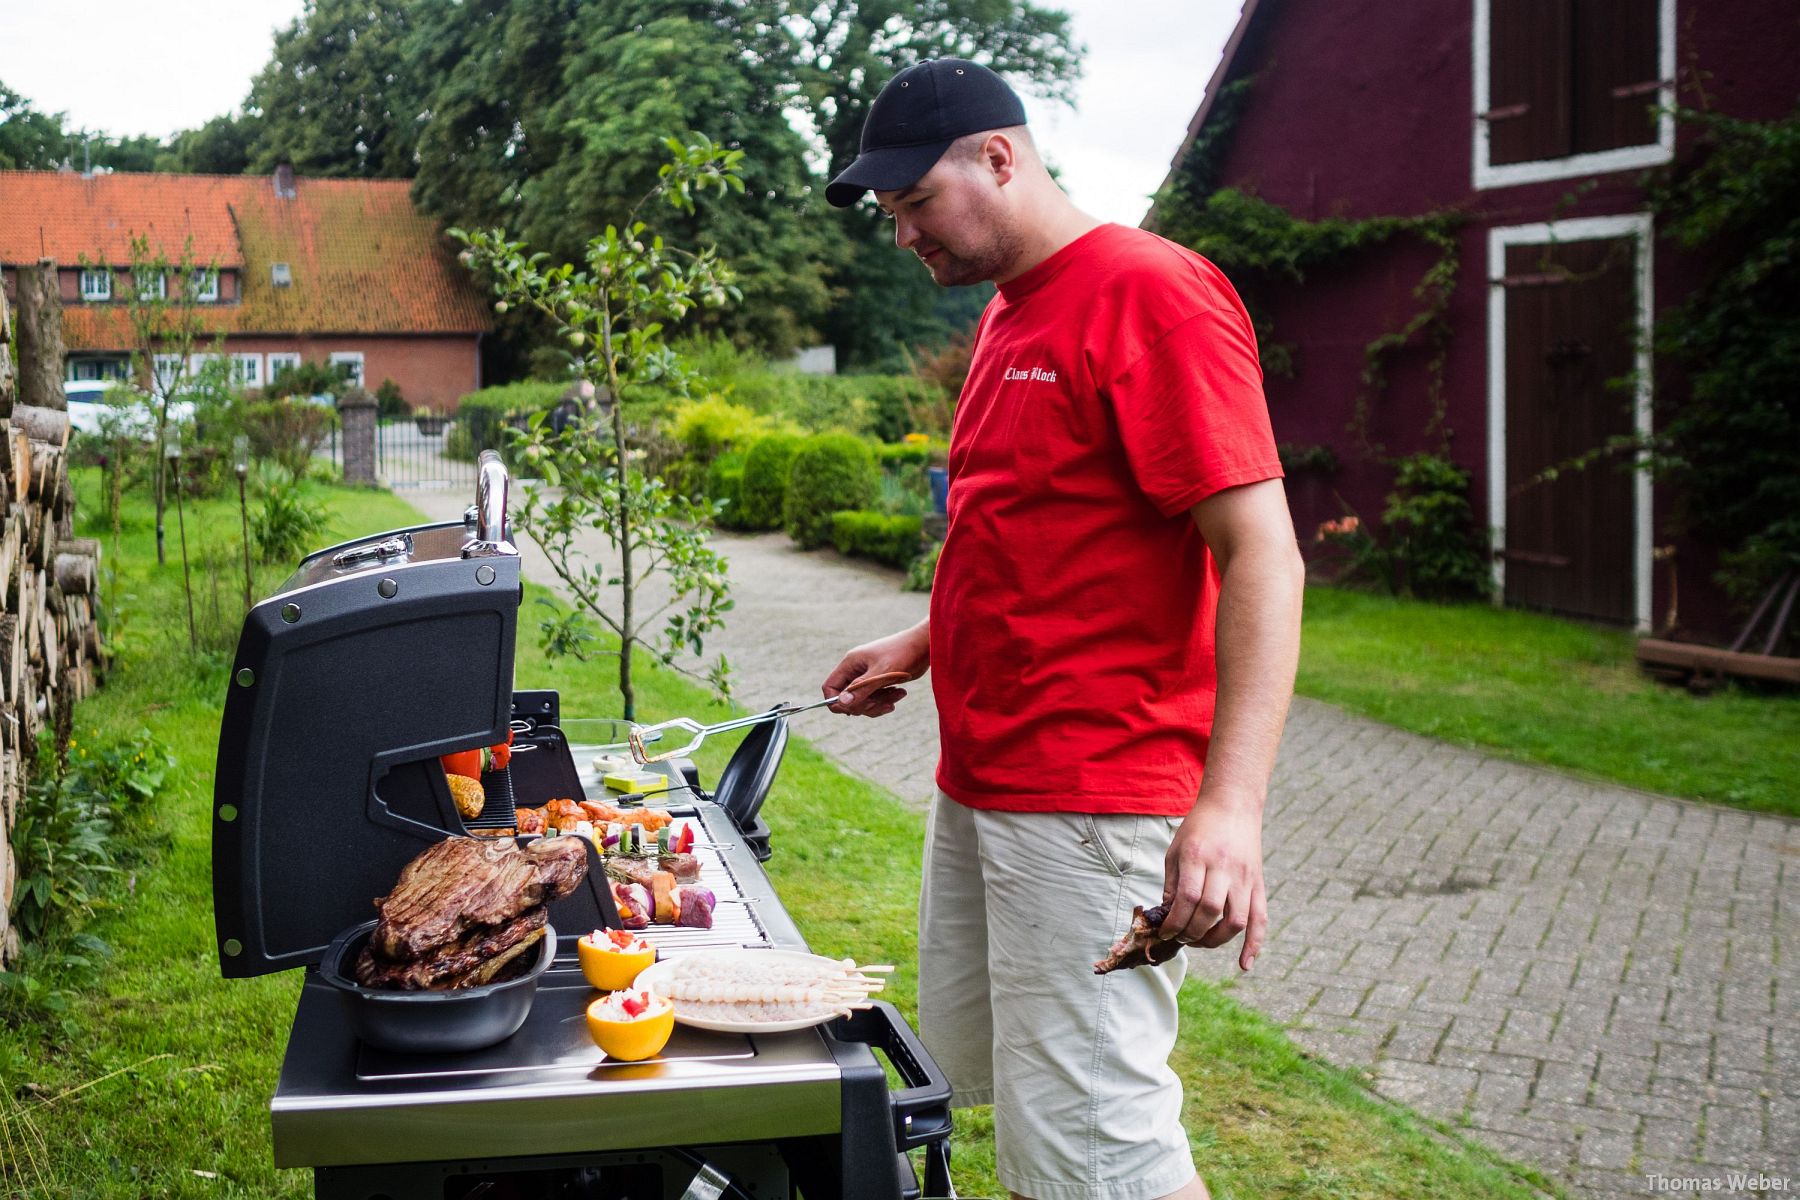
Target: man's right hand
x=907, y=653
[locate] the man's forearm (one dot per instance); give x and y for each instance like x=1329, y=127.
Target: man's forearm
x=1257, y=644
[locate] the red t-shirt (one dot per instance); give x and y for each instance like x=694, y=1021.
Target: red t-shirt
x=1114, y=385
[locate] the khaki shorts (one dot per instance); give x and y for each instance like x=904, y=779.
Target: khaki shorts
x=1016, y=909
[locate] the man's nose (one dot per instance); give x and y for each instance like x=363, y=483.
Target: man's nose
x=905, y=232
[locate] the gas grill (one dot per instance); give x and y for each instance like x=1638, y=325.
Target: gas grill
x=376, y=657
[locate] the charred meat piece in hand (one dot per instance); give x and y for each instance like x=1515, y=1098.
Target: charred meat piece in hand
x=1140, y=947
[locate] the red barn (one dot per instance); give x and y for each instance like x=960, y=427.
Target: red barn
x=1537, y=123
x=343, y=271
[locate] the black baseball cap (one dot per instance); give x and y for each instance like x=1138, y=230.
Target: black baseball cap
x=915, y=118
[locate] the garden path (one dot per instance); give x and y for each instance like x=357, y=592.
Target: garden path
x=1586, y=977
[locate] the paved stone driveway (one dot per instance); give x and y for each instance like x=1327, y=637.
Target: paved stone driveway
x=1591, y=979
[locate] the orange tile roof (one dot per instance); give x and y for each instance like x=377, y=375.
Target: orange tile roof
x=362, y=258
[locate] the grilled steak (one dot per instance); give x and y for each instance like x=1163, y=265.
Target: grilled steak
x=1140, y=947
x=485, y=949
x=462, y=885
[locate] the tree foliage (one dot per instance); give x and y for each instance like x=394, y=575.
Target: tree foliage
x=1731, y=441
x=612, y=310
x=339, y=96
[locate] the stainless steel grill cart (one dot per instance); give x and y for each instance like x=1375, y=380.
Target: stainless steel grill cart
x=373, y=659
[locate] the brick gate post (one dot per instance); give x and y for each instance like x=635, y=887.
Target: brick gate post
x=358, y=411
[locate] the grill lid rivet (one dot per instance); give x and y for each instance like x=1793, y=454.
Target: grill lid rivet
x=484, y=575
x=290, y=613
x=233, y=947
x=245, y=677
x=228, y=813
x=388, y=589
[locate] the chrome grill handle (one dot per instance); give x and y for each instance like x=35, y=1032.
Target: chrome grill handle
x=393, y=547
x=492, y=488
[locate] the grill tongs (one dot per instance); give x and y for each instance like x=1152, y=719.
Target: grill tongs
x=640, y=736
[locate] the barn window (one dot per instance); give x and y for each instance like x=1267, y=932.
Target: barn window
x=1571, y=87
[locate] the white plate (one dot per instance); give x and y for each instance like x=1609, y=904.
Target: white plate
x=653, y=977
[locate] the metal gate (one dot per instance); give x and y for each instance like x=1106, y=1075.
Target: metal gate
x=410, y=453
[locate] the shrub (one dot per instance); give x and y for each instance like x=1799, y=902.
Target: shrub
x=831, y=472
x=725, y=483
x=706, y=428
x=308, y=379
x=287, y=431
x=389, y=400
x=287, y=522
x=917, y=453
x=763, y=494
x=886, y=539
x=483, y=415
x=1430, y=532
x=922, y=571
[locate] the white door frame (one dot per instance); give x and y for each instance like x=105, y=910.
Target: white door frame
x=1585, y=229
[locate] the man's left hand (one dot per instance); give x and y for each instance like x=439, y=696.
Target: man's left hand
x=1213, y=879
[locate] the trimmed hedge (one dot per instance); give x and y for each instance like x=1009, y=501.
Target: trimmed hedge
x=891, y=540
x=880, y=406
x=915, y=454
x=725, y=481
x=832, y=472
x=763, y=493
x=481, y=415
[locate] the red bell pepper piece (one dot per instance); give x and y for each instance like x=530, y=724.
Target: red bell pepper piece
x=463, y=762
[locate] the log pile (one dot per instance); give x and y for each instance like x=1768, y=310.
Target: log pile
x=49, y=636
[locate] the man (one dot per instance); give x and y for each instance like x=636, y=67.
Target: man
x=1115, y=498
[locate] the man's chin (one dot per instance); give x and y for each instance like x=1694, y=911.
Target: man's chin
x=949, y=272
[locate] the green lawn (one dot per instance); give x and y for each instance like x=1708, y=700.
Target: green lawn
x=1551, y=692
x=199, y=1055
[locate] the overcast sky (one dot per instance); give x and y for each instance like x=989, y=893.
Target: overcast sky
x=1147, y=64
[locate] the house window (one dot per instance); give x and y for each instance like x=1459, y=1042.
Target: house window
x=198, y=363
x=350, y=362
x=204, y=283
x=167, y=372
x=280, y=363
x=1572, y=87
x=246, y=370
x=96, y=283
x=154, y=288
x=82, y=370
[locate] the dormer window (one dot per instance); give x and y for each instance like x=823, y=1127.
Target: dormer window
x=96, y=283
x=204, y=283
x=280, y=276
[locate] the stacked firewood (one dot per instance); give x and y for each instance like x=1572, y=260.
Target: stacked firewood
x=50, y=653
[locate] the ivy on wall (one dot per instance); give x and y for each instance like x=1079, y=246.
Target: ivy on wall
x=1730, y=440
x=1260, y=244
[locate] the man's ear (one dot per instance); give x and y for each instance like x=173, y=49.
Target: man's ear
x=1001, y=157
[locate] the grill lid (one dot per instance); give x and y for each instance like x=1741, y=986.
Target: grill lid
x=376, y=657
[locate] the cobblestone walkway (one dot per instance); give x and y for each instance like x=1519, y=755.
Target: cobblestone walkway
x=1590, y=979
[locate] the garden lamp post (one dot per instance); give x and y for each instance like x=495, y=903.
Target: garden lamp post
x=240, y=463
x=172, y=448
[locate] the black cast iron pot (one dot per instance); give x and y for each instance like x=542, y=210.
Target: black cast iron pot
x=426, y=1022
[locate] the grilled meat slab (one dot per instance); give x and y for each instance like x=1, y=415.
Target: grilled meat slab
x=1140, y=947
x=462, y=885
x=454, y=965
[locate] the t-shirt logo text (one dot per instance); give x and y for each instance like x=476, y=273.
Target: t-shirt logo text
x=1037, y=374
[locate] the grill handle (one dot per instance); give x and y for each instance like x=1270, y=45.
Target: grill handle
x=492, y=537
x=922, y=1108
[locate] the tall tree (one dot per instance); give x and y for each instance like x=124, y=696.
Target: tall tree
x=220, y=147
x=849, y=49
x=29, y=140
x=338, y=96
